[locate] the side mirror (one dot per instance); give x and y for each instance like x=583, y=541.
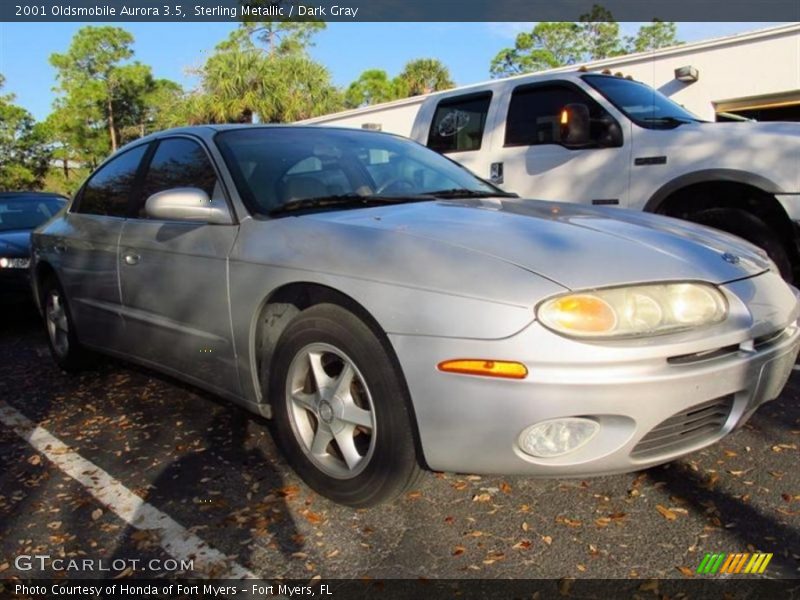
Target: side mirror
x=186, y=204
x=575, y=126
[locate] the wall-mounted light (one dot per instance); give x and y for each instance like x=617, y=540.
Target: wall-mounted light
x=687, y=74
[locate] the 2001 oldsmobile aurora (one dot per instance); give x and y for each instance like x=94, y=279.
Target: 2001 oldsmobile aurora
x=387, y=309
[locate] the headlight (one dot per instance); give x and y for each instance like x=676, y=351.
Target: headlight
x=634, y=311
x=14, y=263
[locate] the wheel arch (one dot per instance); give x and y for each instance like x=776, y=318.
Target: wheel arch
x=43, y=270
x=281, y=306
x=726, y=188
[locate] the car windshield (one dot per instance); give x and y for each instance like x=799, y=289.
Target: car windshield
x=22, y=212
x=641, y=103
x=282, y=168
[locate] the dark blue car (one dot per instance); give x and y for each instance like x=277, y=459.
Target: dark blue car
x=21, y=213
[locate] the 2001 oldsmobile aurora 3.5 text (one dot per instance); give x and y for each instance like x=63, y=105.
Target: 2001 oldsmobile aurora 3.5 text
x=388, y=310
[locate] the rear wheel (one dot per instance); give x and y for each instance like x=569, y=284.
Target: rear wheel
x=65, y=348
x=750, y=227
x=341, y=411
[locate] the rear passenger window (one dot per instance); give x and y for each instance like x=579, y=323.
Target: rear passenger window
x=109, y=189
x=534, y=115
x=178, y=163
x=458, y=123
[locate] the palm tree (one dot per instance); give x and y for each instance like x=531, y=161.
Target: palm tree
x=423, y=76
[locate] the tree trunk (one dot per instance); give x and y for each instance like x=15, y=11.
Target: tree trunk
x=65, y=162
x=111, y=130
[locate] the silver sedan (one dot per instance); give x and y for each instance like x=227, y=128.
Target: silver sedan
x=388, y=311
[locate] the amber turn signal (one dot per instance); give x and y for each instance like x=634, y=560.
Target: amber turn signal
x=485, y=368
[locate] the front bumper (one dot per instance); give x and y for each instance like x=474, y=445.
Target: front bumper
x=655, y=400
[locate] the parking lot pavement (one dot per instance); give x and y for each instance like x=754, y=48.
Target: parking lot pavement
x=211, y=469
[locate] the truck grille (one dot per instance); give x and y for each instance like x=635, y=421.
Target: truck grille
x=685, y=429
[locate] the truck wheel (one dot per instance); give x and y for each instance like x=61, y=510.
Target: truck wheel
x=341, y=411
x=751, y=228
x=67, y=351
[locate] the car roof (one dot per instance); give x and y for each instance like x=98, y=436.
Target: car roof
x=31, y=195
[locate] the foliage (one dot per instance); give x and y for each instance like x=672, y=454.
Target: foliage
x=373, y=86
x=243, y=81
x=24, y=153
x=659, y=34
x=423, y=76
x=556, y=44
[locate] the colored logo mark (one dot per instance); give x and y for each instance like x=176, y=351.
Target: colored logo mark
x=734, y=563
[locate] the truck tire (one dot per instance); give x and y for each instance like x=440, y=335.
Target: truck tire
x=749, y=227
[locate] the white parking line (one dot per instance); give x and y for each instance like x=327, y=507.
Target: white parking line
x=796, y=368
x=175, y=539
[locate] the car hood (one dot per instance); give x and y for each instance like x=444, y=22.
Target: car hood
x=574, y=246
x=15, y=243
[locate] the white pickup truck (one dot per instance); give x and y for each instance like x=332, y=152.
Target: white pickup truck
x=607, y=140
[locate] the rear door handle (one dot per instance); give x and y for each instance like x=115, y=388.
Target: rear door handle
x=132, y=258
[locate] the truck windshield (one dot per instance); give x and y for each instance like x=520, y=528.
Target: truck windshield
x=641, y=103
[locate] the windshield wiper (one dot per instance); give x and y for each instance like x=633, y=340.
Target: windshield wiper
x=343, y=201
x=467, y=193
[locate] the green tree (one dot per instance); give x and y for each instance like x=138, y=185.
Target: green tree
x=423, y=76
x=90, y=75
x=242, y=82
x=599, y=34
x=23, y=149
x=659, y=34
x=548, y=45
x=373, y=86
x=557, y=44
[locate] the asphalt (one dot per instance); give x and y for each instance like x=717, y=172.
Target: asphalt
x=214, y=469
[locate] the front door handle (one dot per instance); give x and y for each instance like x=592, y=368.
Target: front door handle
x=132, y=258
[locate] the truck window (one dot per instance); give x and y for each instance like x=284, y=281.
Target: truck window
x=534, y=114
x=458, y=123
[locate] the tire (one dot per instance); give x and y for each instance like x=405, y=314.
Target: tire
x=354, y=442
x=62, y=339
x=751, y=228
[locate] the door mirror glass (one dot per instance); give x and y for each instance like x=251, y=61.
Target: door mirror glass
x=575, y=126
x=186, y=204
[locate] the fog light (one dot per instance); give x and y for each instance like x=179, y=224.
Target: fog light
x=557, y=437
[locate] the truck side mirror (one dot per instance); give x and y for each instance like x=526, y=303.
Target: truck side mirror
x=575, y=125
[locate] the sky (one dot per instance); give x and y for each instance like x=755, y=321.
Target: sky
x=174, y=50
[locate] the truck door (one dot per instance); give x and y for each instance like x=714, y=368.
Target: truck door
x=458, y=129
x=559, y=143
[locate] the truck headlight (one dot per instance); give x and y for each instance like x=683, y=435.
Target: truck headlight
x=639, y=310
x=14, y=263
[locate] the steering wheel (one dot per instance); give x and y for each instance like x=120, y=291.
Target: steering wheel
x=399, y=182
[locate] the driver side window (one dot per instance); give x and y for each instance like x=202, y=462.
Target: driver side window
x=535, y=115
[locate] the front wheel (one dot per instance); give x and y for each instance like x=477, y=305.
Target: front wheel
x=341, y=411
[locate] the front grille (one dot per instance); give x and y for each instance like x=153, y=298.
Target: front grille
x=685, y=429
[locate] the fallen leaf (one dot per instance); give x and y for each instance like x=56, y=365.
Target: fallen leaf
x=522, y=545
x=96, y=514
x=651, y=585
x=547, y=539
x=459, y=550
x=482, y=497
x=687, y=572
x=505, y=488
x=525, y=526
x=35, y=459
x=414, y=495
x=668, y=514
